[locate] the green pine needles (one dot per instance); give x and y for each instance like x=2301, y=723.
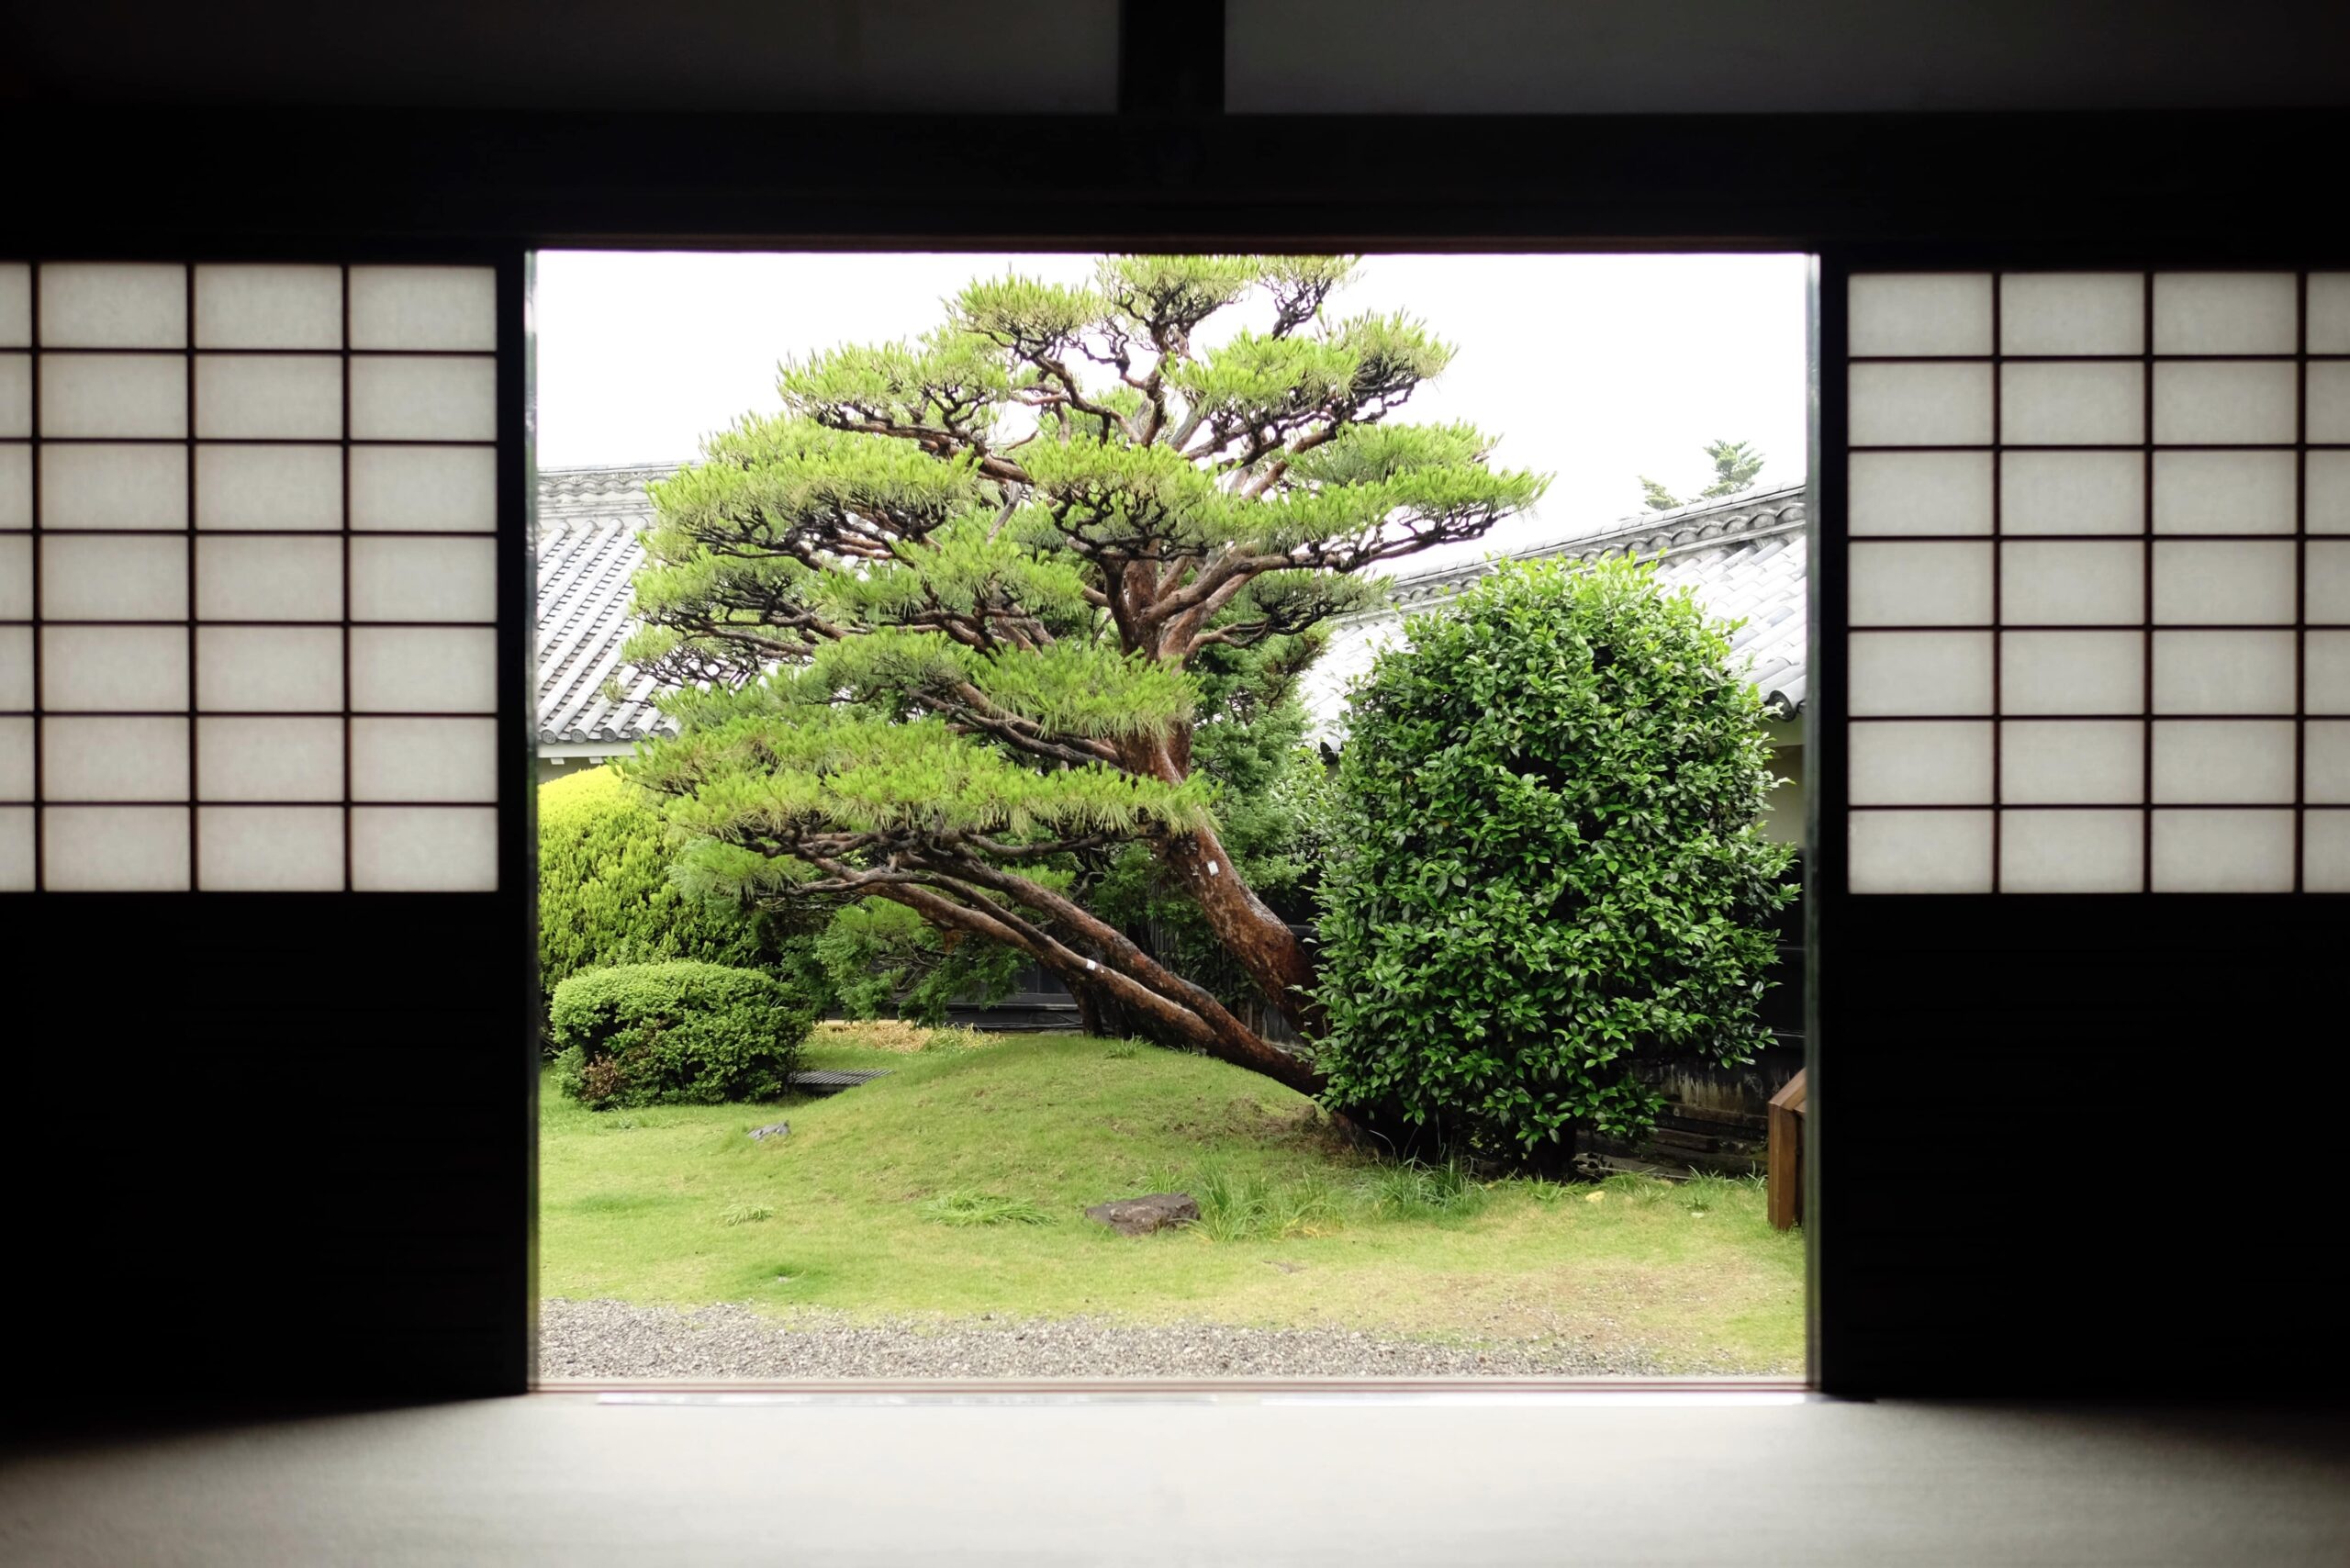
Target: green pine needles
x=947, y=629
x=1735, y=463
x=1556, y=878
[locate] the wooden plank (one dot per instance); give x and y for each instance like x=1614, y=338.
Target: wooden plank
x=1679, y=1112
x=1783, y=1179
x=827, y=1081
x=1793, y=1093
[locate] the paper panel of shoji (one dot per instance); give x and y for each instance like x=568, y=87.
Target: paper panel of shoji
x=2099, y=581
x=247, y=577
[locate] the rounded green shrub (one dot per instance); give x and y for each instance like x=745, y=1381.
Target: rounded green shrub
x=1555, y=882
x=676, y=1034
x=605, y=895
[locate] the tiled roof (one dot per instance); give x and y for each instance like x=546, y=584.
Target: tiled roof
x=1743, y=557
x=587, y=522
x=615, y=492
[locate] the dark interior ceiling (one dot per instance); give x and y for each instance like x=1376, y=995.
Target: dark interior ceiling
x=904, y=56
x=1060, y=56
x=1785, y=56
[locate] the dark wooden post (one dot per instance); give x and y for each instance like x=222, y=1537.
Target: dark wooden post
x=1784, y=1161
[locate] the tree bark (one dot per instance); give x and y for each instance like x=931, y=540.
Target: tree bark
x=1162, y=1003
x=1096, y=1015
x=1259, y=940
x=1169, y=1021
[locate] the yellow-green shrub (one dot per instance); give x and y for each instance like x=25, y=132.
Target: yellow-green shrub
x=605, y=896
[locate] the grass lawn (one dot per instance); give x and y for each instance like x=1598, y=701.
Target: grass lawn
x=955, y=1187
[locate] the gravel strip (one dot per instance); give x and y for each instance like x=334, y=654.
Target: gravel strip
x=621, y=1340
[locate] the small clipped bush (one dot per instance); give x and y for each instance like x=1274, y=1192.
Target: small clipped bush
x=1555, y=882
x=606, y=897
x=677, y=1034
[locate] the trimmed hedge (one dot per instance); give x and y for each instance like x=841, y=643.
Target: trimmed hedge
x=1556, y=881
x=605, y=896
x=677, y=1034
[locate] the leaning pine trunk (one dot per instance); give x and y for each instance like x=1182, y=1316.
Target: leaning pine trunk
x=1134, y=1002
x=1153, y=997
x=1259, y=941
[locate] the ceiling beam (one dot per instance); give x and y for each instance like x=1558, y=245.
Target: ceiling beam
x=1170, y=57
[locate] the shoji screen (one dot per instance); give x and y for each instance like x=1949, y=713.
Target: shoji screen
x=2082, y=813
x=265, y=847
x=2097, y=582
x=247, y=577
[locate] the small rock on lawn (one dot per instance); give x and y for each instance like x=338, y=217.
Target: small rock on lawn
x=1140, y=1216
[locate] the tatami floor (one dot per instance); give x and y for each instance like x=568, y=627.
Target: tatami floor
x=1449, y=1480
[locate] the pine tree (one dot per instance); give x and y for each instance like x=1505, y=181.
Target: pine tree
x=1735, y=463
x=936, y=631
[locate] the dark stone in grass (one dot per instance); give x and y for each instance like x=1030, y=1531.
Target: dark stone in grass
x=1140, y=1216
x=773, y=1130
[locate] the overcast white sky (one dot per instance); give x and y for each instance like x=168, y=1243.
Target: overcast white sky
x=1595, y=369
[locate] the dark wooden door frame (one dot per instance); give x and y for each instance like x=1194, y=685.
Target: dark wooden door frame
x=2206, y=180
x=2208, y=186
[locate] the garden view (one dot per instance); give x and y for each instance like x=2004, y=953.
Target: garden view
x=981, y=652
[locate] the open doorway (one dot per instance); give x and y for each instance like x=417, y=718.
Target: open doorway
x=1022, y=876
